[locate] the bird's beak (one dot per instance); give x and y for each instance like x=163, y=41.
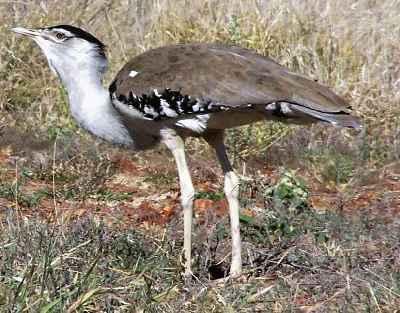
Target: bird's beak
x=26, y=31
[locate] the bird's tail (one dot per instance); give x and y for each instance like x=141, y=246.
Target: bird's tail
x=298, y=113
x=341, y=119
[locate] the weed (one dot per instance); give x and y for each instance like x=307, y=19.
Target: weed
x=290, y=191
x=210, y=195
x=12, y=193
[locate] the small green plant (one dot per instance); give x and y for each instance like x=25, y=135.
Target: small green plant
x=13, y=192
x=290, y=191
x=210, y=195
x=286, y=210
x=234, y=29
x=54, y=132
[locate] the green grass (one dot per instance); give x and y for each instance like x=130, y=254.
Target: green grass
x=210, y=195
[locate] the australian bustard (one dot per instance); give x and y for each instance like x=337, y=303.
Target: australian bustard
x=173, y=92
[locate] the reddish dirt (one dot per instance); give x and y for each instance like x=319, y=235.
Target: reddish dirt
x=152, y=203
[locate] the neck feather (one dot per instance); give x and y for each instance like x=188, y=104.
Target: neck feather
x=91, y=105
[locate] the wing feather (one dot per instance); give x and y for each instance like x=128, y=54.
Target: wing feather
x=231, y=77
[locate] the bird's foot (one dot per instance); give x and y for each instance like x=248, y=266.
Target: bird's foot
x=189, y=279
x=235, y=275
x=231, y=279
x=188, y=273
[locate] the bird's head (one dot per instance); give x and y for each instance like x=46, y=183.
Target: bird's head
x=68, y=48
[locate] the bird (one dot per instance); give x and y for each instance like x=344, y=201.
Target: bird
x=173, y=92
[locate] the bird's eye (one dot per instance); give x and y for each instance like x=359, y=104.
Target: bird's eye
x=60, y=36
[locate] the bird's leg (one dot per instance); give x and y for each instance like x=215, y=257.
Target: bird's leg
x=231, y=189
x=176, y=145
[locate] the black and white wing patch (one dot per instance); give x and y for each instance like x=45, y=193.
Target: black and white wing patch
x=167, y=104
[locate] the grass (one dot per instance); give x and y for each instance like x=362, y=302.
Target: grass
x=296, y=259
x=345, y=51
x=86, y=227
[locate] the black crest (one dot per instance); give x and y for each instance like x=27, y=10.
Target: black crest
x=80, y=33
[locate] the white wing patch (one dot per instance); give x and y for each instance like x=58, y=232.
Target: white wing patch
x=166, y=108
x=157, y=93
x=196, y=124
x=133, y=73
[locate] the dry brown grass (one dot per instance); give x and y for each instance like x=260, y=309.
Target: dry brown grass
x=317, y=260
x=350, y=46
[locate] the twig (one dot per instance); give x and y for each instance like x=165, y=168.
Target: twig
x=263, y=291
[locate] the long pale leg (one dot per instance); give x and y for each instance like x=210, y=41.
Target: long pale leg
x=176, y=145
x=231, y=189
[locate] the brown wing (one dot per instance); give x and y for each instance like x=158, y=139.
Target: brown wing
x=228, y=75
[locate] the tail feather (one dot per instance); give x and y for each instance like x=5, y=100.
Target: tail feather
x=341, y=119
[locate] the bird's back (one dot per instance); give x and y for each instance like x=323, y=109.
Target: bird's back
x=231, y=76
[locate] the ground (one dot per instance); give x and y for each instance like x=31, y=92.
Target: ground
x=96, y=228
x=87, y=227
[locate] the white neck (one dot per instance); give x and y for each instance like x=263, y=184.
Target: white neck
x=91, y=106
